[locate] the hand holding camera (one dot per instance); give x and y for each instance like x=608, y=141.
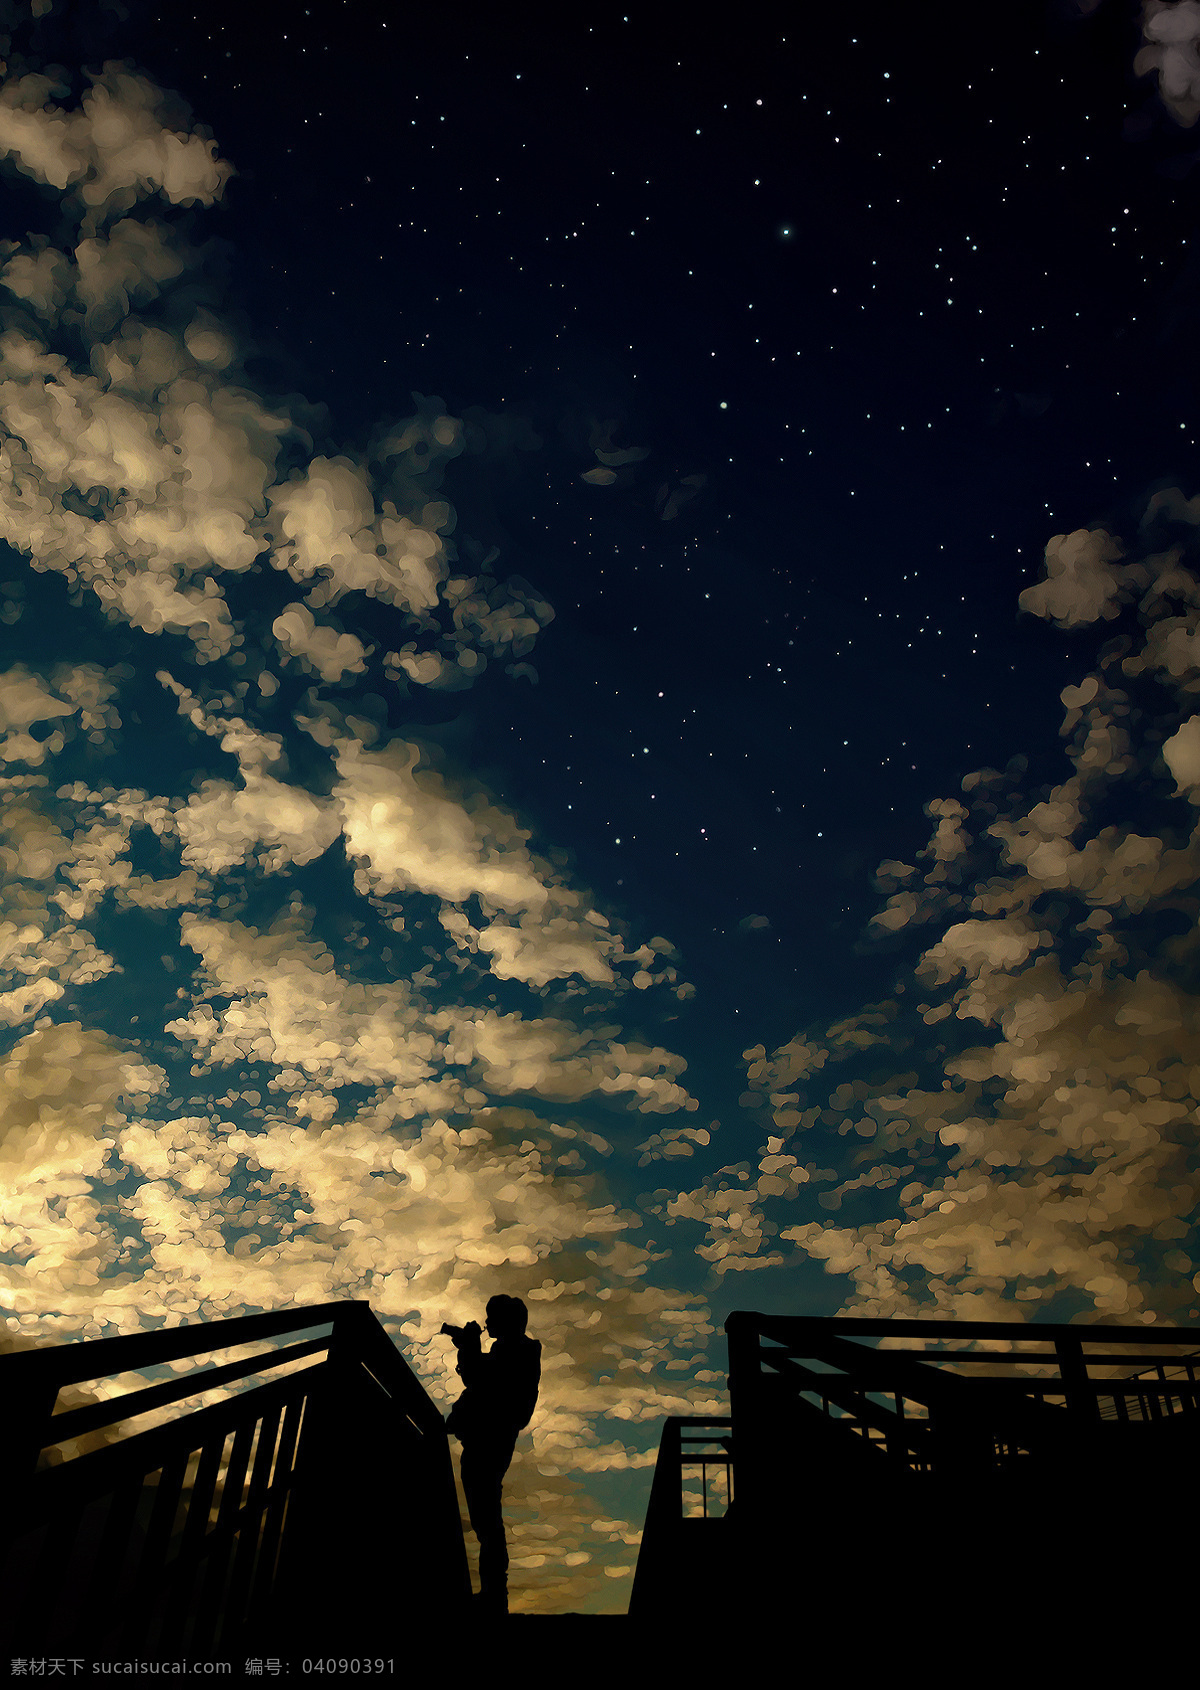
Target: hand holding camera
x=469, y=1334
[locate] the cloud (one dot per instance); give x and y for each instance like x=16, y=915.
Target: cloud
x=669, y=501
x=321, y=648
x=511, y=1053
x=1014, y=1128
x=1080, y=583
x=1172, y=37
x=287, y=1003
x=117, y=147
x=65, y=1089
x=328, y=530
x=1181, y=753
x=268, y=819
x=146, y=471
x=411, y=826
x=28, y=701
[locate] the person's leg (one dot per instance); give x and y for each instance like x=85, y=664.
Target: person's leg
x=483, y=1467
x=493, y=1549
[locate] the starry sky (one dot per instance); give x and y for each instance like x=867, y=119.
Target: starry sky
x=599, y=653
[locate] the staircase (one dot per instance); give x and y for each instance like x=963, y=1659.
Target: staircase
x=297, y=1493
x=867, y=1462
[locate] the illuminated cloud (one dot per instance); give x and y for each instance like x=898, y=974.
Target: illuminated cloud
x=321, y=648
x=1080, y=583
x=1172, y=37
x=1181, y=753
x=117, y=147
x=412, y=827
x=27, y=701
x=1015, y=1127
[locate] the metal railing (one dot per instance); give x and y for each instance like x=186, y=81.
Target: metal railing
x=839, y=1428
x=1168, y=1388
x=218, y=1515
x=713, y=1505
x=670, y=1554
x=927, y=1401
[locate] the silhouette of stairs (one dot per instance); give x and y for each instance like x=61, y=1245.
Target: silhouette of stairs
x=309, y=1501
x=297, y=1495
x=867, y=1460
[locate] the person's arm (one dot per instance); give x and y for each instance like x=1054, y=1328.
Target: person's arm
x=470, y=1356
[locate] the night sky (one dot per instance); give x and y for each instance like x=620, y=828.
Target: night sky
x=601, y=631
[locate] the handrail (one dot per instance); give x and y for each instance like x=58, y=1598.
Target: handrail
x=878, y=1326
x=34, y=1378
x=827, y=1425
x=205, y=1525
x=811, y=1371
x=79, y=1360
x=833, y=1340
x=382, y=1359
x=77, y=1422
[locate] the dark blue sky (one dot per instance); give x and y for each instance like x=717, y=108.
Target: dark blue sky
x=910, y=295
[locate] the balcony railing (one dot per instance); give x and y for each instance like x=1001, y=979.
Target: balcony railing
x=198, y=1503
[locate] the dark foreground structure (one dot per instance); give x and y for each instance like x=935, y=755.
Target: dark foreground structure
x=313, y=1508
x=922, y=1469
x=881, y=1477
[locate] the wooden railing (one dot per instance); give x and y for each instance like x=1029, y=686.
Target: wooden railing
x=315, y=1481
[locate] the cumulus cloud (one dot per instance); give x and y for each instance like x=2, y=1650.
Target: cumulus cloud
x=320, y=647
x=412, y=826
x=1014, y=1128
x=1171, y=33
x=72, y=691
x=1181, y=753
x=147, y=472
x=268, y=819
x=1081, y=582
x=118, y=146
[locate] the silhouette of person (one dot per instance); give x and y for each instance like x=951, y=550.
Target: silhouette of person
x=501, y=1390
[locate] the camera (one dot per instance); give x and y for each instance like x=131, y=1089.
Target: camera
x=468, y=1334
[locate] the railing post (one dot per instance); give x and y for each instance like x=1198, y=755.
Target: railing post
x=750, y=1432
x=32, y=1412
x=1081, y=1397
x=306, y=1577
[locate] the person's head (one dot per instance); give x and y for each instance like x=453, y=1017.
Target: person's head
x=507, y=1317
